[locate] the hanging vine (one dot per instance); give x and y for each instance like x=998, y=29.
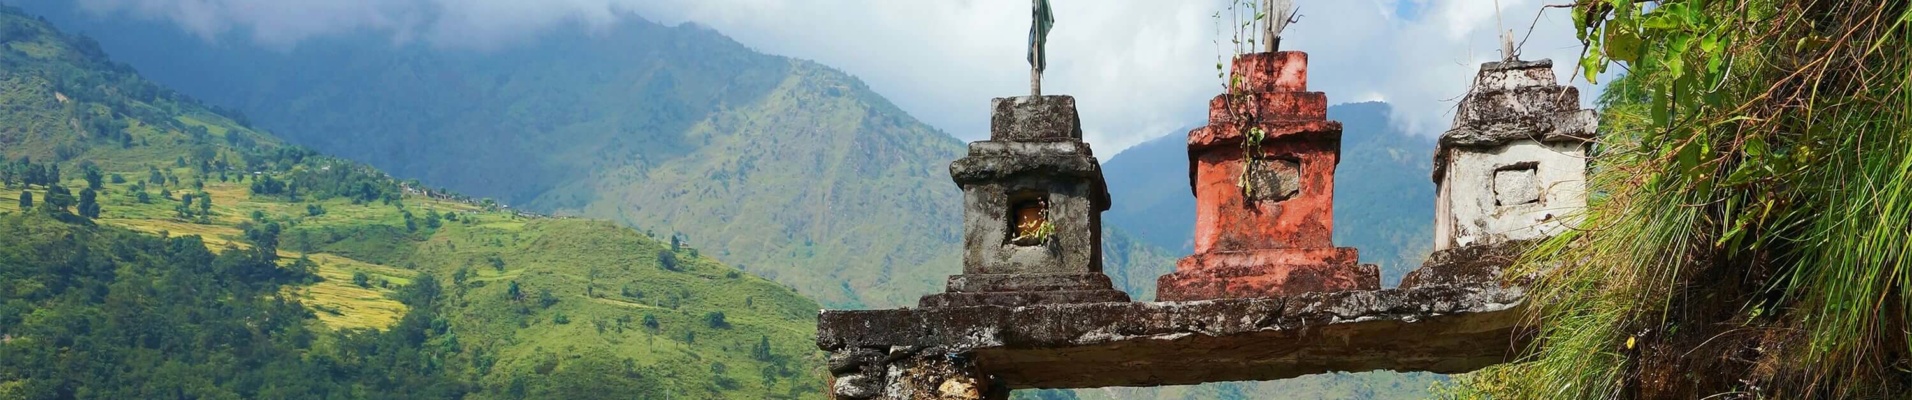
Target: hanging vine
x=1251, y=22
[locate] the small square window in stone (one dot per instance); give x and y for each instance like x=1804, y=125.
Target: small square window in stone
x=1516, y=185
x=1029, y=223
x=1272, y=180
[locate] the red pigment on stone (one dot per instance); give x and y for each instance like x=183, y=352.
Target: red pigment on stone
x=1263, y=248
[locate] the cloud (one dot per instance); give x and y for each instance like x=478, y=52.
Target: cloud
x=1139, y=69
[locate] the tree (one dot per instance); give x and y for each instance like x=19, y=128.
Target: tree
x=512, y=290
x=58, y=198
x=667, y=260
x=650, y=322
x=94, y=177
x=26, y=200
x=761, y=352
x=716, y=320
x=360, y=279
x=89, y=203
x=546, y=299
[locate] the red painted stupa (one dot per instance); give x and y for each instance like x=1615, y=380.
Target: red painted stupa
x=1267, y=232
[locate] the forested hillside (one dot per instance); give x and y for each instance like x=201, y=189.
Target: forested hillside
x=160, y=248
x=784, y=167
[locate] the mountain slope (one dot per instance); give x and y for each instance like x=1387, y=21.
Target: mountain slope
x=467, y=299
x=787, y=168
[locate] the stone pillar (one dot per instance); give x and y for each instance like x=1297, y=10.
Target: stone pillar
x=1268, y=232
x=1513, y=168
x=1033, y=198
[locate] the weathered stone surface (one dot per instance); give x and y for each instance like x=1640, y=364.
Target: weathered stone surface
x=1282, y=71
x=1027, y=282
x=1269, y=106
x=1242, y=274
x=1273, y=180
x=1033, y=119
x=1472, y=265
x=1022, y=298
x=1230, y=136
x=1274, y=236
x=1033, y=198
x=1441, y=328
x=1513, y=168
x=977, y=169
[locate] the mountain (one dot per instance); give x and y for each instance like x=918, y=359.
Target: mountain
x=1384, y=200
x=204, y=258
x=784, y=167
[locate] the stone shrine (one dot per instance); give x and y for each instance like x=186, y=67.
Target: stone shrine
x=1033, y=198
x=1267, y=231
x=1514, y=166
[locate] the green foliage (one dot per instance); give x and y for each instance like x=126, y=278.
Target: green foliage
x=108, y=313
x=1753, y=208
x=667, y=259
x=58, y=198
x=26, y=200
x=89, y=204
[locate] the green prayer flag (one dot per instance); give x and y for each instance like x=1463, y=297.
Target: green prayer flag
x=1039, y=35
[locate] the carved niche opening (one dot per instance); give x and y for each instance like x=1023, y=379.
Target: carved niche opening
x=1273, y=179
x=1516, y=184
x=1029, y=223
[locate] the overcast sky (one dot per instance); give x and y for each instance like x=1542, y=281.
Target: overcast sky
x=1139, y=69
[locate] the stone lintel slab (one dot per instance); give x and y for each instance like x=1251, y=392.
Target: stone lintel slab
x=1489, y=106
x=1442, y=328
x=1461, y=265
x=1214, y=136
x=1019, y=299
x=977, y=169
x=1034, y=119
x=1566, y=126
x=1282, y=71
x=978, y=283
x=1268, y=106
x=1500, y=75
x=1266, y=273
x=1026, y=149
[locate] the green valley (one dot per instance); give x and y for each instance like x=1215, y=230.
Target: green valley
x=374, y=287
x=783, y=167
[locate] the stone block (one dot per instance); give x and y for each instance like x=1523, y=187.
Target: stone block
x=1229, y=219
x=1034, y=119
x=1513, y=167
x=1267, y=273
x=1033, y=198
x=1285, y=71
x=1264, y=210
